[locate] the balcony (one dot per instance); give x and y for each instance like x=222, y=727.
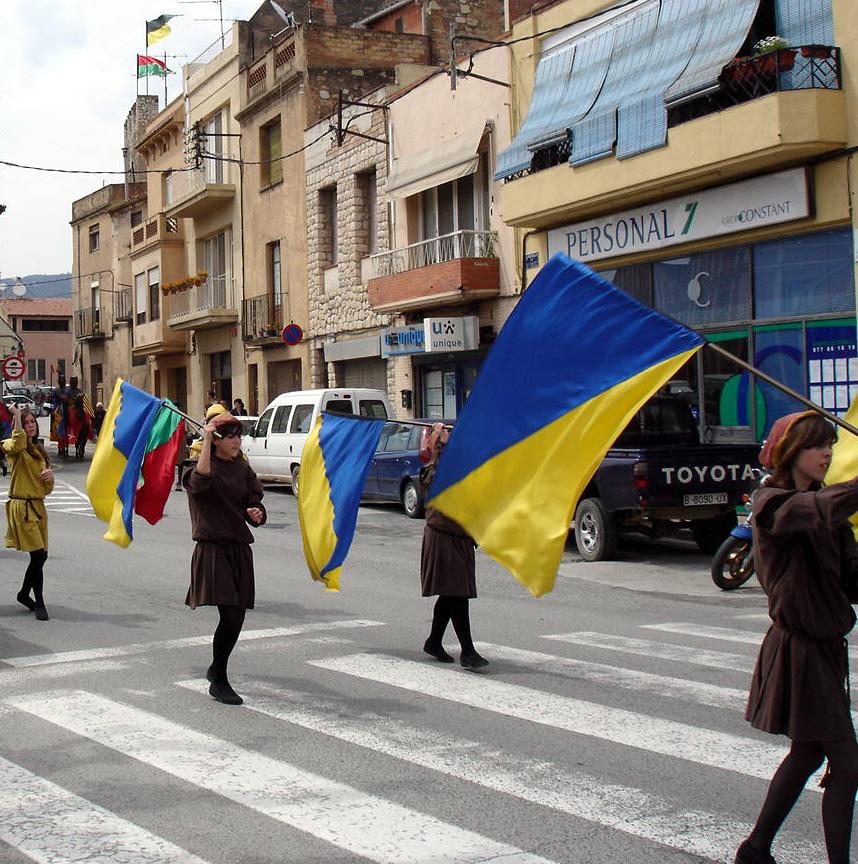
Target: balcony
x=123, y=309
x=159, y=229
x=455, y=268
x=766, y=113
x=277, y=66
x=200, y=191
x=211, y=304
x=89, y=323
x=263, y=318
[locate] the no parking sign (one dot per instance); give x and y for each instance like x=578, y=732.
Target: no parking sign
x=13, y=367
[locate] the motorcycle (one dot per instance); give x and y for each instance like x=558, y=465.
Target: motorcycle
x=733, y=564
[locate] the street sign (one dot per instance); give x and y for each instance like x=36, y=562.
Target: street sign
x=292, y=334
x=13, y=367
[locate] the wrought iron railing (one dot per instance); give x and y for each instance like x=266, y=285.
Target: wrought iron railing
x=263, y=317
x=88, y=322
x=448, y=247
x=215, y=293
x=122, y=306
x=805, y=67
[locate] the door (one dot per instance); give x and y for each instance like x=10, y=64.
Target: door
x=255, y=446
x=371, y=486
x=278, y=445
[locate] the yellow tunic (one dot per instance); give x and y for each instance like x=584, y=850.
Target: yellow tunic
x=26, y=517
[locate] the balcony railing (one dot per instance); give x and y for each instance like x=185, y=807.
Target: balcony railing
x=154, y=230
x=804, y=67
x=272, y=68
x=88, y=323
x=448, y=247
x=216, y=293
x=123, y=309
x=263, y=318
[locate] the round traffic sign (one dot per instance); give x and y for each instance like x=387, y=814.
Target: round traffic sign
x=292, y=334
x=13, y=367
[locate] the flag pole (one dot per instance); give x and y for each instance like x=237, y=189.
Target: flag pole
x=187, y=417
x=783, y=388
x=165, y=79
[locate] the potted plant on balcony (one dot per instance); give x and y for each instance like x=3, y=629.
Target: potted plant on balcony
x=270, y=329
x=775, y=55
x=817, y=52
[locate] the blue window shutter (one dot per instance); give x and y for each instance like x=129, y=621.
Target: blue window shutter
x=805, y=22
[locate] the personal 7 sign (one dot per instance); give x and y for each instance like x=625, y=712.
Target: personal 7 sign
x=13, y=367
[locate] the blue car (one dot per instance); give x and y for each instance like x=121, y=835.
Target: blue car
x=394, y=474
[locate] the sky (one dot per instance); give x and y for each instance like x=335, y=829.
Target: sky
x=69, y=80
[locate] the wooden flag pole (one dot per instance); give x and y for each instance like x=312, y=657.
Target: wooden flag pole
x=187, y=417
x=783, y=388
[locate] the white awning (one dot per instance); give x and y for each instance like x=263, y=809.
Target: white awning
x=447, y=160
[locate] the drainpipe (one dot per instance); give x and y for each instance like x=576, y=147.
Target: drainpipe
x=524, y=240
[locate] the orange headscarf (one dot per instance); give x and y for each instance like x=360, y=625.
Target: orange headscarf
x=771, y=452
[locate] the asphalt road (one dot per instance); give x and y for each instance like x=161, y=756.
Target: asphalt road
x=608, y=727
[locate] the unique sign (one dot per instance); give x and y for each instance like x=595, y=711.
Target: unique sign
x=452, y=334
x=13, y=367
x=767, y=200
x=531, y=260
x=410, y=339
x=292, y=334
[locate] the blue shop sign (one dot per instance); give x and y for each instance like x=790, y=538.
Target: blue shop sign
x=410, y=339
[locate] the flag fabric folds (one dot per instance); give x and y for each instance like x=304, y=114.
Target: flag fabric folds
x=157, y=29
x=573, y=363
x=844, y=458
x=151, y=66
x=334, y=465
x=136, y=426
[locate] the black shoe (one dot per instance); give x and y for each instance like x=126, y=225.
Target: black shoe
x=747, y=854
x=473, y=661
x=41, y=612
x=210, y=676
x=25, y=600
x=224, y=693
x=437, y=651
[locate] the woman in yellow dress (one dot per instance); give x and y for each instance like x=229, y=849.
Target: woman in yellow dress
x=26, y=517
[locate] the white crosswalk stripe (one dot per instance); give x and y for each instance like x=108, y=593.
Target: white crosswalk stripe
x=364, y=824
x=339, y=814
x=36, y=817
x=65, y=498
x=666, y=737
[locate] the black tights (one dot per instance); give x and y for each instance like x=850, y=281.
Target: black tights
x=34, y=577
x=838, y=799
x=453, y=609
x=225, y=637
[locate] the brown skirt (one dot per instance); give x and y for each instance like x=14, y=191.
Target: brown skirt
x=447, y=564
x=799, y=688
x=221, y=575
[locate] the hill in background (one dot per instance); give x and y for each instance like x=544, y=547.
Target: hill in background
x=40, y=285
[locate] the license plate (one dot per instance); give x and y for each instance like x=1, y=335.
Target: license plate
x=704, y=498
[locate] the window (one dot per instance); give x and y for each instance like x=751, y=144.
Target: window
x=213, y=142
x=93, y=238
x=154, y=293
x=301, y=417
x=368, y=192
x=263, y=422
x=61, y=366
x=35, y=370
x=215, y=264
x=31, y=370
x=340, y=406
x=40, y=368
x=136, y=218
x=328, y=226
x=398, y=438
x=168, y=187
x=373, y=408
x=44, y=325
x=140, y=298
x=95, y=295
x=399, y=25
x=281, y=419
x=271, y=150
x=274, y=269
x=460, y=205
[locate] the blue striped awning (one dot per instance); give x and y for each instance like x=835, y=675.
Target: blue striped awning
x=805, y=22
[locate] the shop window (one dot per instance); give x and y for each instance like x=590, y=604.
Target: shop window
x=803, y=275
x=727, y=391
x=779, y=352
x=634, y=279
x=832, y=367
x=707, y=289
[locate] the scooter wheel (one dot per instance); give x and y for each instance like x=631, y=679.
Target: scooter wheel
x=733, y=564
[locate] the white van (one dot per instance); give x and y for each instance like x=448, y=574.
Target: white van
x=274, y=445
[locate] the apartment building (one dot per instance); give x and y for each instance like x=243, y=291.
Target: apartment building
x=701, y=165
x=42, y=327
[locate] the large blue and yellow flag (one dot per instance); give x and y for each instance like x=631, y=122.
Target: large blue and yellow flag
x=115, y=471
x=574, y=361
x=334, y=465
x=844, y=458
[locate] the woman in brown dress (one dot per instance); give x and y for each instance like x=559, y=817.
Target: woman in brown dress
x=806, y=558
x=448, y=569
x=224, y=497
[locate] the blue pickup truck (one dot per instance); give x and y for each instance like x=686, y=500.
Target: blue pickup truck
x=658, y=477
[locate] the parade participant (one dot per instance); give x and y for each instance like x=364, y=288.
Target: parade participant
x=238, y=408
x=224, y=497
x=27, y=519
x=79, y=419
x=805, y=556
x=59, y=416
x=448, y=569
x=98, y=419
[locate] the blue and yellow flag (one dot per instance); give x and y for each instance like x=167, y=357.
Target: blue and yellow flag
x=844, y=458
x=115, y=471
x=334, y=465
x=573, y=363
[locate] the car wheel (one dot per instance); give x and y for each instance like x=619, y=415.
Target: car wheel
x=595, y=531
x=412, y=500
x=295, y=472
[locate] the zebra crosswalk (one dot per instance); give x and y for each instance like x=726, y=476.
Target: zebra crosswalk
x=369, y=711
x=66, y=498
